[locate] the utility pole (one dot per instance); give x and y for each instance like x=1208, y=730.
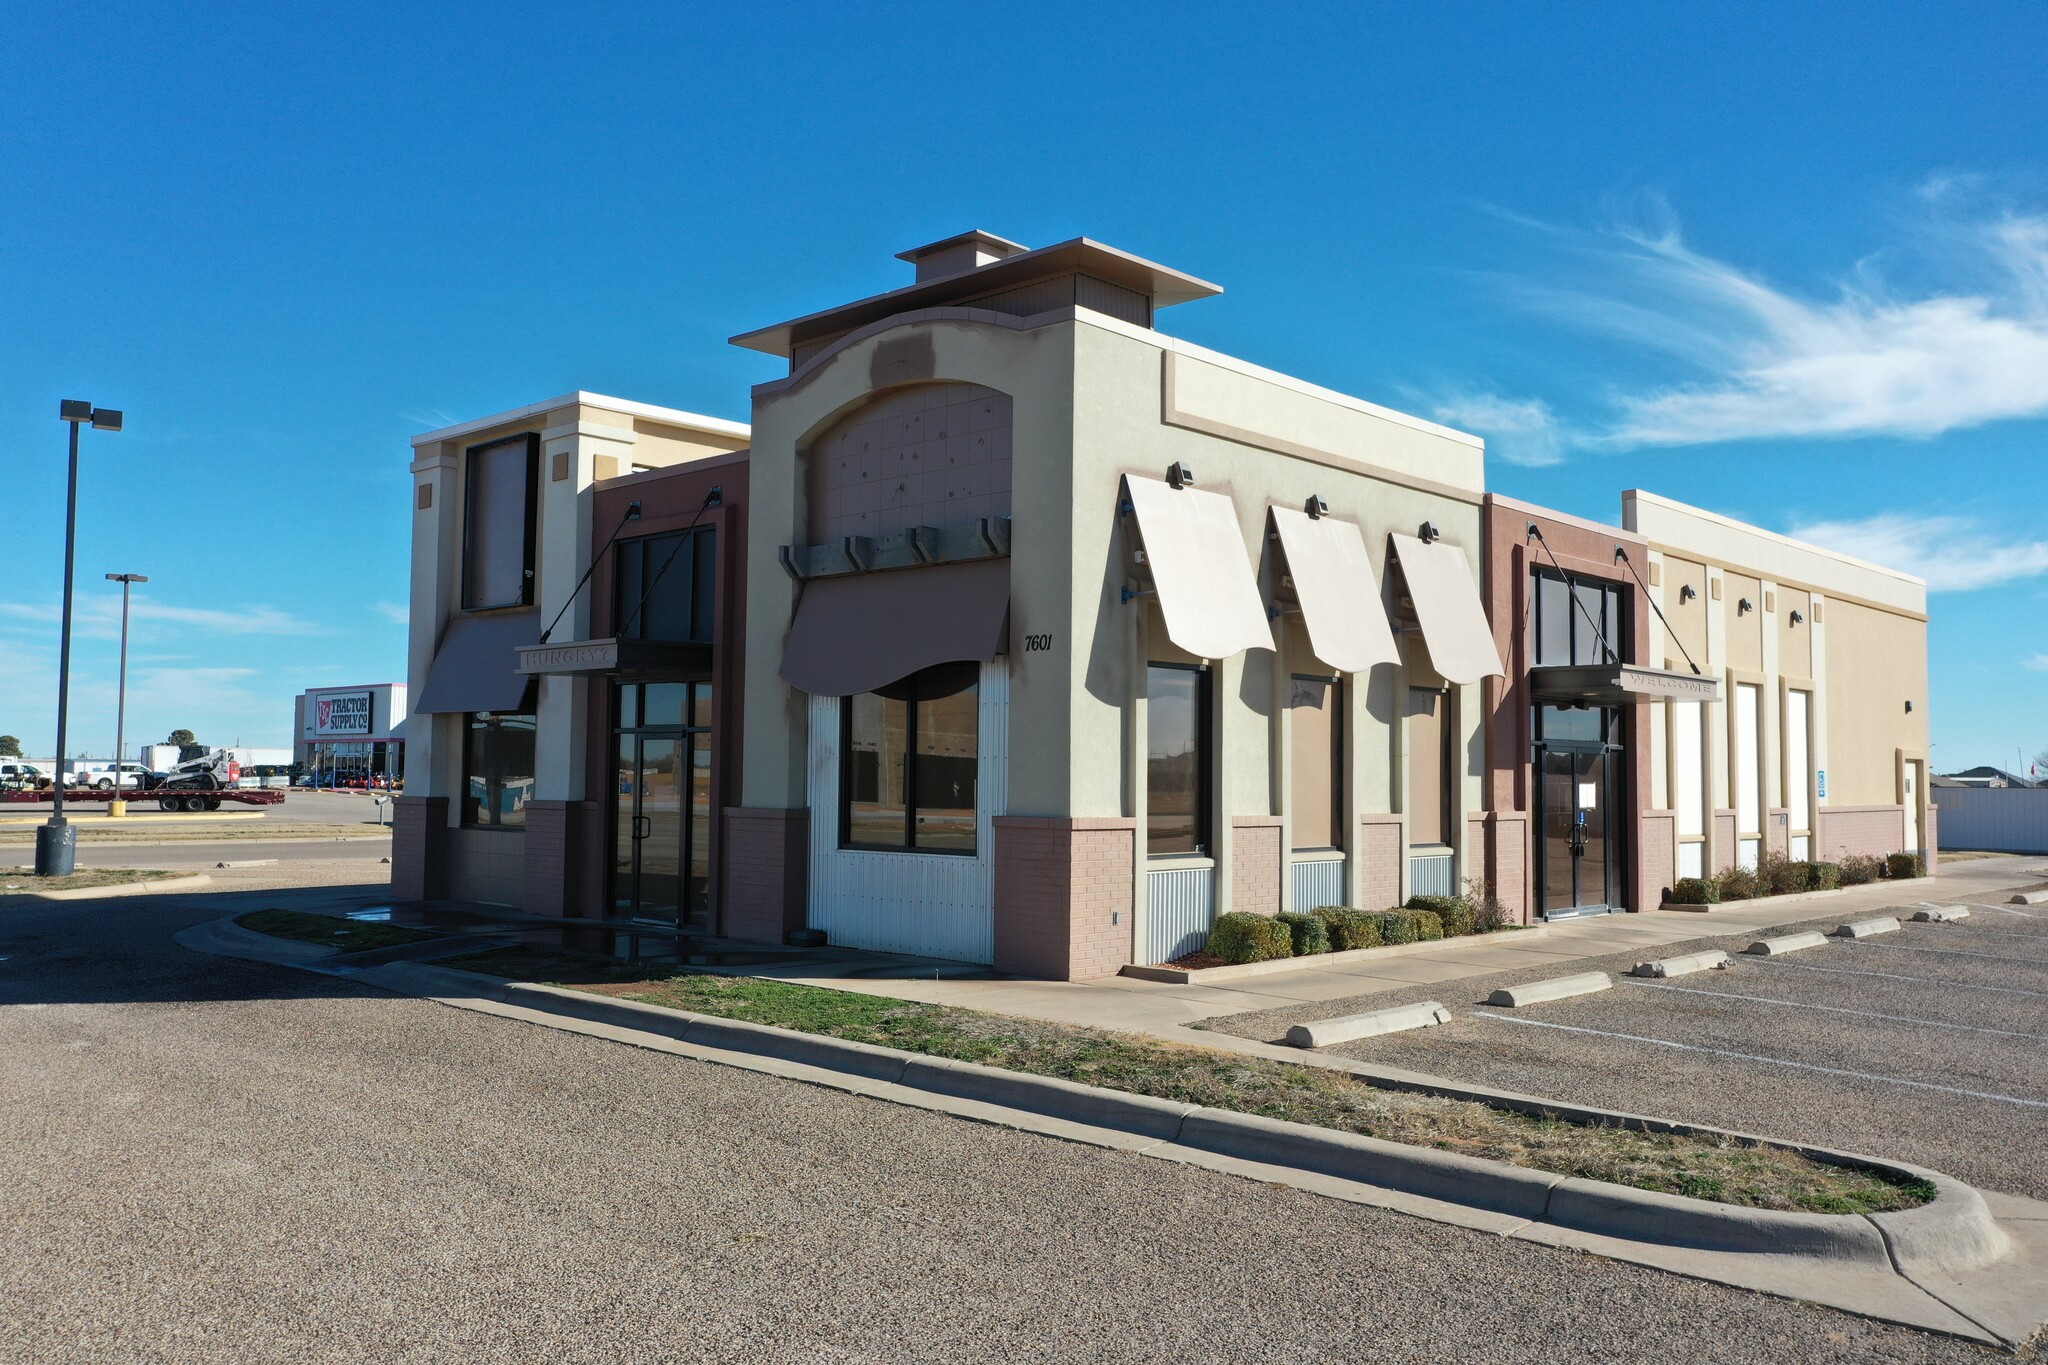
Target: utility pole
x=119, y=806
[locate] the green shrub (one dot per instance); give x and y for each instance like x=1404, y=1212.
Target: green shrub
x=1905, y=865
x=1396, y=926
x=1243, y=937
x=1349, y=929
x=1310, y=934
x=1738, y=884
x=1859, y=868
x=1489, y=912
x=1778, y=875
x=1694, y=891
x=1429, y=925
x=1454, y=911
x=1824, y=876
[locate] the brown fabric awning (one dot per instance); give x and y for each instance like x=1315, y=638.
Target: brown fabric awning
x=1340, y=597
x=854, y=633
x=1208, y=592
x=477, y=666
x=1446, y=597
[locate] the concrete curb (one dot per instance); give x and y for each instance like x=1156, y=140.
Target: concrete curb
x=225, y=938
x=1953, y=1233
x=1865, y=928
x=94, y=893
x=2030, y=898
x=1351, y=1027
x=1555, y=988
x=1238, y=971
x=1713, y=960
x=1787, y=943
x=1930, y=913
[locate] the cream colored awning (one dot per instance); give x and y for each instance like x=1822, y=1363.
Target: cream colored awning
x=1446, y=597
x=1340, y=598
x=1208, y=592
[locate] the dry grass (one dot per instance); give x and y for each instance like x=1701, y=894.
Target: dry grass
x=1727, y=1171
x=25, y=882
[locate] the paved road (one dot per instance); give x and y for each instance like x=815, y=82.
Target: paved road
x=198, y=855
x=210, y=1160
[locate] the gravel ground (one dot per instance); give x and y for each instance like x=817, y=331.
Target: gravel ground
x=1988, y=973
x=212, y=1160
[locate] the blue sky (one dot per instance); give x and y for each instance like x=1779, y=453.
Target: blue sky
x=1790, y=264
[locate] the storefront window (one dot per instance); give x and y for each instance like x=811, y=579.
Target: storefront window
x=497, y=755
x=665, y=587
x=911, y=758
x=1576, y=623
x=1176, y=760
x=1316, y=761
x=497, y=530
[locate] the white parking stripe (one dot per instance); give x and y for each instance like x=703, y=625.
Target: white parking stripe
x=2008, y=910
x=1841, y=1009
x=1954, y=952
x=1768, y=1061
x=1897, y=976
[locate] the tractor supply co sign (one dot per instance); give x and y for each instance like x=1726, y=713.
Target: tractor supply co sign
x=345, y=713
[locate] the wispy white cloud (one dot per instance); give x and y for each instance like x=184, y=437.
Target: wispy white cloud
x=2039, y=663
x=1521, y=431
x=1954, y=554
x=100, y=618
x=1965, y=345
x=398, y=613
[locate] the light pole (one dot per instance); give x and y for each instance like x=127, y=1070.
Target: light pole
x=119, y=807
x=56, y=841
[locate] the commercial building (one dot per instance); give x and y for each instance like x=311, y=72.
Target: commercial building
x=350, y=734
x=1013, y=630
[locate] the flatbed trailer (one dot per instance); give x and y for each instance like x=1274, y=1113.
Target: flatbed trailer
x=181, y=799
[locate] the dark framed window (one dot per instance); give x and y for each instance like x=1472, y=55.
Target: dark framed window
x=497, y=760
x=1315, y=722
x=1432, y=765
x=1574, y=724
x=1177, y=760
x=1565, y=617
x=498, y=522
x=666, y=587
x=910, y=760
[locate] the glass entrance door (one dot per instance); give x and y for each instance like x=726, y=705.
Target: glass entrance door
x=1578, y=859
x=661, y=810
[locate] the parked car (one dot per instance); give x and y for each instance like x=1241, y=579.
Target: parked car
x=18, y=776
x=129, y=775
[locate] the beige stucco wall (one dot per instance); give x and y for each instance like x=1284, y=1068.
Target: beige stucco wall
x=1862, y=647
x=581, y=441
x=1092, y=400
x=1745, y=629
x=1876, y=663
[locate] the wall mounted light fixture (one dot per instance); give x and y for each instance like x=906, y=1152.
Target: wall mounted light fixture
x=1180, y=475
x=1687, y=592
x=1743, y=606
x=1797, y=616
x=1430, y=534
x=1315, y=507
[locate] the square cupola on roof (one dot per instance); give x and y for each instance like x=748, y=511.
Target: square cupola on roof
x=981, y=270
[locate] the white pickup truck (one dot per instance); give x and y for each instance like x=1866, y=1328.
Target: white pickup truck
x=104, y=776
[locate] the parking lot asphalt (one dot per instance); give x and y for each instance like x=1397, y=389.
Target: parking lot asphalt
x=214, y=1160
x=1928, y=1045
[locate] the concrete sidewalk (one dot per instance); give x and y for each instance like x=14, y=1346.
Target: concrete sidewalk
x=1165, y=1010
